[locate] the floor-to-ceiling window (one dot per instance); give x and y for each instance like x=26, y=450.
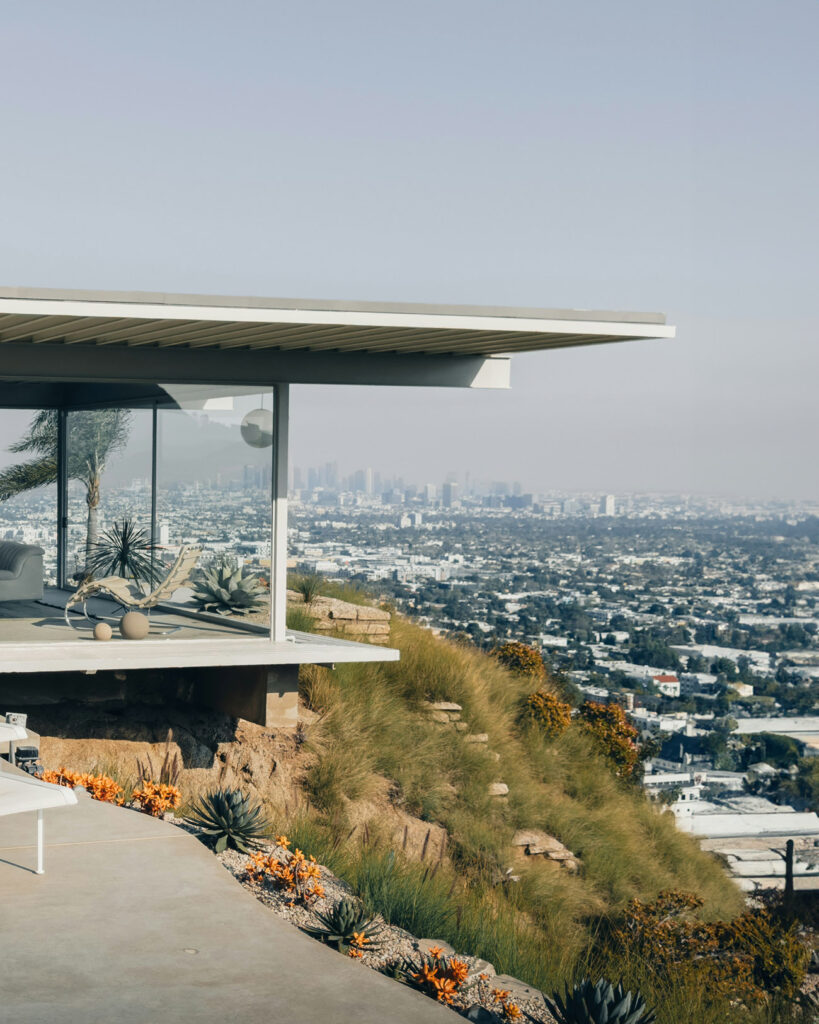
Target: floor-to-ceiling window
x=28, y=491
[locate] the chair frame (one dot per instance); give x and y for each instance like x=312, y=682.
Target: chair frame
x=119, y=588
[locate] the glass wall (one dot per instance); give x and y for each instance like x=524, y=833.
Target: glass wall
x=28, y=484
x=189, y=469
x=214, y=492
x=109, y=455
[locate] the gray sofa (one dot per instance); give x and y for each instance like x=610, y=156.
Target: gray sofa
x=21, y=571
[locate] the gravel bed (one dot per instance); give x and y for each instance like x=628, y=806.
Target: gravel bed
x=395, y=944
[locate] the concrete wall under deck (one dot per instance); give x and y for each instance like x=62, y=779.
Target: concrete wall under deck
x=265, y=695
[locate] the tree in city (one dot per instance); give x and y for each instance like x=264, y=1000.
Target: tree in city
x=93, y=438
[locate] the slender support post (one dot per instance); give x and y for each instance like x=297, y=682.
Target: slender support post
x=154, y=529
x=278, y=546
x=40, y=830
x=789, y=872
x=62, y=498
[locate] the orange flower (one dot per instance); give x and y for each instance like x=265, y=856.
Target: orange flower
x=283, y=841
x=511, y=1011
x=458, y=970
x=354, y=952
x=359, y=939
x=445, y=989
x=435, y=951
x=500, y=994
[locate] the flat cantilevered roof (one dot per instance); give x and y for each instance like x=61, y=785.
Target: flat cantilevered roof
x=306, y=341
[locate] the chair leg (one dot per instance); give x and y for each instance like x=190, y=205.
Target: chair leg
x=40, y=830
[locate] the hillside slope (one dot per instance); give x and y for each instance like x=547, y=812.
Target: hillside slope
x=374, y=723
x=372, y=772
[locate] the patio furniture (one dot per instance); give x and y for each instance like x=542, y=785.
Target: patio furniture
x=120, y=589
x=10, y=733
x=21, y=571
x=20, y=793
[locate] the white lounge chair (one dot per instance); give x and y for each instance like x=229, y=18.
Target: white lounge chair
x=20, y=793
x=120, y=589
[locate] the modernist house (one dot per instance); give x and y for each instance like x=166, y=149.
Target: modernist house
x=74, y=352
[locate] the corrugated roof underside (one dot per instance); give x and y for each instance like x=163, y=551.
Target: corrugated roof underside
x=162, y=333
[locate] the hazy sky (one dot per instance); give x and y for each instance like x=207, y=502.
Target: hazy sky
x=633, y=155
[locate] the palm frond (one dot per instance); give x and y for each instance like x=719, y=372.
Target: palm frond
x=25, y=476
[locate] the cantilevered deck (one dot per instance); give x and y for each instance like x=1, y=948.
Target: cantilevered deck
x=34, y=637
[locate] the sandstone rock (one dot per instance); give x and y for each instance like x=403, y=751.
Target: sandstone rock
x=498, y=789
x=440, y=716
x=519, y=989
x=445, y=705
x=477, y=737
x=460, y=726
x=478, y=968
x=538, y=843
x=425, y=945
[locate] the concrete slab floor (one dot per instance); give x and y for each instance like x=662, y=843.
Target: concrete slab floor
x=136, y=922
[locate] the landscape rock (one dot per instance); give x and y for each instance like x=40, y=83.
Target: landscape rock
x=519, y=990
x=445, y=705
x=477, y=968
x=536, y=843
x=477, y=737
x=498, y=789
x=335, y=616
x=425, y=945
x=460, y=726
x=480, y=1015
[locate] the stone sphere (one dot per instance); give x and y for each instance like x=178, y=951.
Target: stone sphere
x=134, y=626
x=102, y=631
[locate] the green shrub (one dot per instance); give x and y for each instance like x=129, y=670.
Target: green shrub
x=550, y=714
x=309, y=587
x=613, y=734
x=520, y=658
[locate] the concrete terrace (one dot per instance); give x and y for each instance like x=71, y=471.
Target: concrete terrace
x=35, y=638
x=135, y=921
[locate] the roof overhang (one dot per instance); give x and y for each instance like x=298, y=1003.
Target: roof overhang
x=143, y=338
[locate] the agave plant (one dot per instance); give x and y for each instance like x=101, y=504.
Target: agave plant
x=347, y=926
x=223, y=588
x=229, y=818
x=125, y=550
x=602, y=1003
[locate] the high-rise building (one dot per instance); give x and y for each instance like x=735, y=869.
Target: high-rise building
x=430, y=493
x=607, y=506
x=449, y=494
x=331, y=475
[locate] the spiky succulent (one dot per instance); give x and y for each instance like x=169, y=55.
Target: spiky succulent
x=602, y=1003
x=223, y=588
x=347, y=926
x=229, y=818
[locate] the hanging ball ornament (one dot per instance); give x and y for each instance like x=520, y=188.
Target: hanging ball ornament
x=257, y=428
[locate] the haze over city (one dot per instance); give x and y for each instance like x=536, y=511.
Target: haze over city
x=637, y=156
